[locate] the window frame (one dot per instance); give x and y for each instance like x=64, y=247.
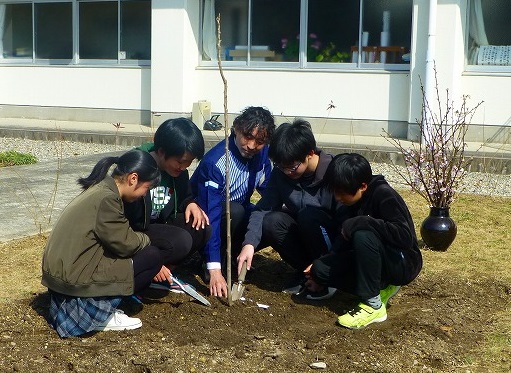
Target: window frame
x=75, y=59
x=301, y=64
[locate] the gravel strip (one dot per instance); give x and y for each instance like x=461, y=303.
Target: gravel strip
x=52, y=150
x=474, y=183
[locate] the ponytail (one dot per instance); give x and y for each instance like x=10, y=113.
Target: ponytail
x=98, y=172
x=133, y=161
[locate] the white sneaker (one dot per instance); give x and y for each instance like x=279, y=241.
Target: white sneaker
x=119, y=321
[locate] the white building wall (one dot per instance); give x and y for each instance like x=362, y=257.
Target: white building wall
x=175, y=80
x=495, y=93
x=73, y=86
x=366, y=96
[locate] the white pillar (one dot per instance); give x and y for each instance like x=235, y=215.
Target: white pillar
x=429, y=76
x=174, y=55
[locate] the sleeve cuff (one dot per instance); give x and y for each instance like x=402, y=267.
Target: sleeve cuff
x=213, y=265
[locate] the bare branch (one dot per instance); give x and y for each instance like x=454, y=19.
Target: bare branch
x=436, y=165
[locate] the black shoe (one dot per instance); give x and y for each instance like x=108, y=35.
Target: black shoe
x=326, y=293
x=296, y=285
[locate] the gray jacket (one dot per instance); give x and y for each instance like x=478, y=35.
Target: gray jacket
x=88, y=253
x=281, y=191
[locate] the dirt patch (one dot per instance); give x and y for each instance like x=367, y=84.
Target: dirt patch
x=436, y=324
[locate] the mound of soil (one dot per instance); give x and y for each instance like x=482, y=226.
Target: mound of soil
x=434, y=324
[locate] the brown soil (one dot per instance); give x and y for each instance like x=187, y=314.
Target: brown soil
x=436, y=324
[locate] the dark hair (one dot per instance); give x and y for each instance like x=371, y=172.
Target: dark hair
x=255, y=117
x=176, y=136
x=292, y=142
x=132, y=161
x=346, y=173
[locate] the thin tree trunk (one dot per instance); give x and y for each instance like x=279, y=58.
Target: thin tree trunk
x=227, y=164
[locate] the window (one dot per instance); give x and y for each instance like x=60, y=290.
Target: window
x=116, y=31
x=98, y=30
x=16, y=30
x=135, y=35
x=53, y=35
x=489, y=41
x=309, y=33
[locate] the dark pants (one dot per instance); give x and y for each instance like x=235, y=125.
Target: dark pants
x=298, y=238
x=239, y=221
x=193, y=238
x=170, y=245
x=365, y=265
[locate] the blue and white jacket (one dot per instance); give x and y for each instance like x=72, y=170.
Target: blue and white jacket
x=209, y=187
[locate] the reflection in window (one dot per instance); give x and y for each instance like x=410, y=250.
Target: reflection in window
x=98, y=30
x=53, y=30
x=136, y=30
x=16, y=31
x=104, y=30
x=233, y=23
x=327, y=32
x=271, y=30
x=333, y=30
x=278, y=30
x=489, y=34
x=386, y=26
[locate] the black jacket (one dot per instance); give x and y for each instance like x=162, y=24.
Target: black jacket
x=383, y=211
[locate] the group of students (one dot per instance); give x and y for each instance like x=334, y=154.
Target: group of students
x=339, y=226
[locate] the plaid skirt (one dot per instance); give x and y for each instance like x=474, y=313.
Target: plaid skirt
x=74, y=316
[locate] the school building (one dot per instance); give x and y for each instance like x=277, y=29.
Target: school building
x=348, y=66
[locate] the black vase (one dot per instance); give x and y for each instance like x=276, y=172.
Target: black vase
x=438, y=230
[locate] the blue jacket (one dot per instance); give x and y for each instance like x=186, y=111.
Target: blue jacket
x=209, y=186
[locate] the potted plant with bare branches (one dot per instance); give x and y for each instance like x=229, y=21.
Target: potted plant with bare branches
x=436, y=164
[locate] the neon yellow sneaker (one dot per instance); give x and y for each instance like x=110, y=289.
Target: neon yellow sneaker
x=388, y=292
x=361, y=316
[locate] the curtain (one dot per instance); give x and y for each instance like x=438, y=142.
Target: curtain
x=2, y=27
x=477, y=29
x=209, y=31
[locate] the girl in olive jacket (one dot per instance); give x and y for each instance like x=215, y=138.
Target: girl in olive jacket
x=93, y=258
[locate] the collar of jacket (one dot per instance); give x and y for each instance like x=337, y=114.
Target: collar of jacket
x=109, y=182
x=324, y=161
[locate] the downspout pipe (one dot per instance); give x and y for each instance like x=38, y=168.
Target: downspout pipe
x=429, y=74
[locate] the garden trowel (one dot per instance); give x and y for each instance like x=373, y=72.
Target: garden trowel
x=191, y=291
x=239, y=287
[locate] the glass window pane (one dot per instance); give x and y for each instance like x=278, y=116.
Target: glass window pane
x=98, y=30
x=490, y=35
x=275, y=30
x=332, y=30
x=275, y=26
x=53, y=30
x=16, y=32
x=233, y=28
x=136, y=29
x=388, y=24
